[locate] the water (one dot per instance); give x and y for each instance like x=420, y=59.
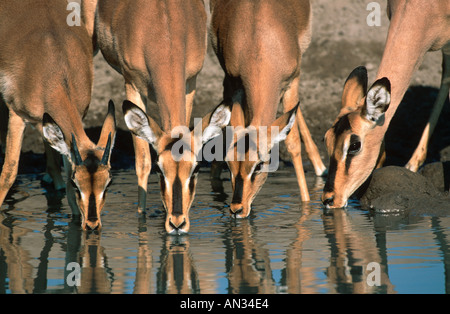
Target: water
x=283, y=247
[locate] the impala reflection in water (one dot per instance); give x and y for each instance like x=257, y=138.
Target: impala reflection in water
x=283, y=247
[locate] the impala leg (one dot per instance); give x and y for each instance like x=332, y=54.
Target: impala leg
x=14, y=137
x=54, y=166
x=191, y=85
x=3, y=125
x=218, y=165
x=143, y=160
x=293, y=145
x=420, y=154
x=293, y=142
x=311, y=149
x=70, y=192
x=382, y=156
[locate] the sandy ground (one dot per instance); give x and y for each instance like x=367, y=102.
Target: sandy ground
x=341, y=41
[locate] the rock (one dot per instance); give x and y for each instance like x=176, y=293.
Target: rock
x=445, y=154
x=396, y=189
x=438, y=173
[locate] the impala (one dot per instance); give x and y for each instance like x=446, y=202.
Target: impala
x=259, y=45
x=46, y=75
x=177, y=161
x=354, y=141
x=159, y=48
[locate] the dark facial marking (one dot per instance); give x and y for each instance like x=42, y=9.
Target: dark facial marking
x=248, y=144
x=342, y=125
x=169, y=145
x=353, y=140
x=177, y=197
x=92, y=209
x=329, y=185
x=238, y=190
x=91, y=162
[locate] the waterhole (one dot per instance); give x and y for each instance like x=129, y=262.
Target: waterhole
x=285, y=246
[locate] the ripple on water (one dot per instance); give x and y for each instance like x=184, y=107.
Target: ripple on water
x=285, y=246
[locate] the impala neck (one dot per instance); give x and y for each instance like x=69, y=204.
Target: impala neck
x=70, y=123
x=407, y=42
x=171, y=100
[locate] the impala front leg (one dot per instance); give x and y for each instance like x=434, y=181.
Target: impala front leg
x=143, y=168
x=143, y=162
x=14, y=137
x=70, y=191
x=311, y=148
x=293, y=143
x=53, y=167
x=420, y=154
x=290, y=100
x=191, y=85
x=3, y=125
x=294, y=147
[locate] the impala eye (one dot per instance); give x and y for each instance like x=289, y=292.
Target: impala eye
x=355, y=145
x=259, y=167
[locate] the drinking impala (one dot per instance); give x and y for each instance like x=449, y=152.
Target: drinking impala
x=259, y=45
x=354, y=141
x=159, y=47
x=46, y=75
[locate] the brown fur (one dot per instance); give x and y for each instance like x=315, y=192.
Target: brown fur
x=159, y=48
x=177, y=158
x=259, y=45
x=52, y=74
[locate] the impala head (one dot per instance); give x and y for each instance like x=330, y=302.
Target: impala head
x=248, y=157
x=177, y=158
x=91, y=168
x=353, y=155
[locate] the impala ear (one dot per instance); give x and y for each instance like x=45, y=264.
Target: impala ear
x=109, y=126
x=355, y=88
x=54, y=136
x=377, y=102
x=218, y=119
x=284, y=124
x=140, y=124
x=108, y=134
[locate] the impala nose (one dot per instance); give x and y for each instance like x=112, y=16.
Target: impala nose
x=328, y=201
x=177, y=223
x=92, y=224
x=236, y=208
x=328, y=197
